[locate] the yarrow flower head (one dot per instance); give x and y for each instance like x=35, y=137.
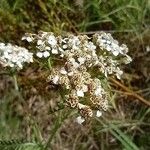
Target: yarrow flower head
x=83, y=60
x=14, y=56
x=46, y=43
x=106, y=42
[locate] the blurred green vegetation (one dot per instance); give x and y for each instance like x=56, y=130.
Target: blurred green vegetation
x=128, y=123
x=19, y=16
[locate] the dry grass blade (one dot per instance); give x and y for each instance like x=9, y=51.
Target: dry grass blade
x=130, y=92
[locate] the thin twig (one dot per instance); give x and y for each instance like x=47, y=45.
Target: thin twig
x=130, y=92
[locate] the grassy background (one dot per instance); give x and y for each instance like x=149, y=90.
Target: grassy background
x=30, y=116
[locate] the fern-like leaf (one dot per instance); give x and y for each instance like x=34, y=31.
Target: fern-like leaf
x=19, y=145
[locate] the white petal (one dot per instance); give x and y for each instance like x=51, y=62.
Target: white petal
x=6, y=55
x=85, y=88
x=39, y=54
x=46, y=54
x=72, y=60
x=98, y=113
x=54, y=51
x=11, y=65
x=80, y=93
x=23, y=38
x=81, y=106
x=60, y=49
x=55, y=79
x=19, y=65
x=63, y=71
x=81, y=60
x=119, y=73
x=128, y=59
x=70, y=74
x=62, y=55
x=108, y=48
x=89, y=56
x=115, y=53
x=108, y=42
x=39, y=42
x=52, y=40
x=80, y=120
x=98, y=91
x=29, y=39
x=147, y=48
x=47, y=48
x=75, y=65
x=31, y=59
x=90, y=65
x=64, y=46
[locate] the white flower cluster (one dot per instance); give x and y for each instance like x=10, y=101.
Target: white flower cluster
x=46, y=43
x=82, y=59
x=106, y=42
x=14, y=56
x=100, y=51
x=79, y=85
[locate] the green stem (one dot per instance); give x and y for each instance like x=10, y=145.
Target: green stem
x=59, y=121
x=54, y=131
x=15, y=82
x=49, y=63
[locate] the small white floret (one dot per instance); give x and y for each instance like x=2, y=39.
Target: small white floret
x=80, y=106
x=116, y=53
x=29, y=39
x=6, y=55
x=39, y=42
x=64, y=46
x=11, y=65
x=52, y=40
x=39, y=54
x=81, y=60
x=70, y=73
x=75, y=65
x=72, y=60
x=85, y=88
x=55, y=79
x=80, y=120
x=2, y=45
x=98, y=113
x=63, y=71
x=46, y=54
x=147, y=48
x=47, y=48
x=80, y=93
x=54, y=51
x=98, y=91
x=62, y=55
x=19, y=65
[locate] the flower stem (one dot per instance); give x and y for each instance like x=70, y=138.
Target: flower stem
x=15, y=82
x=57, y=124
x=49, y=63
